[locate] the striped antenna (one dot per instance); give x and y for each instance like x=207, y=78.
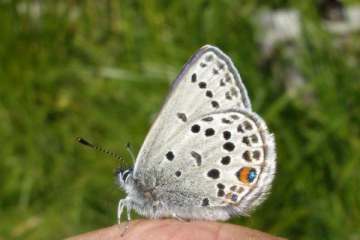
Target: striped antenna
x=98, y=148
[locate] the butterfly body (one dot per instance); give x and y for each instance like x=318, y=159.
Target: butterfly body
x=208, y=155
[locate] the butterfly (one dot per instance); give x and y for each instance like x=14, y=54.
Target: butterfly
x=208, y=155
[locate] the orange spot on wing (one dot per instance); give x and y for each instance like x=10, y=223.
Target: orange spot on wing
x=243, y=174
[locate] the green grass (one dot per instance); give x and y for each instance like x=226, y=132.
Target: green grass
x=102, y=71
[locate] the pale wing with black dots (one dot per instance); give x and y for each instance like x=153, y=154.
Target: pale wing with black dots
x=208, y=156
x=208, y=82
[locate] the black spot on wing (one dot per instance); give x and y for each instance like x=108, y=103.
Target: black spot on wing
x=209, y=94
x=195, y=128
x=170, y=156
x=254, y=138
x=215, y=104
x=209, y=58
x=209, y=132
x=205, y=202
x=220, y=65
x=202, y=85
x=182, y=116
x=193, y=77
x=226, y=121
x=225, y=160
x=246, y=141
x=228, y=96
x=197, y=157
x=247, y=125
x=208, y=119
x=256, y=154
x=220, y=193
x=227, y=78
x=235, y=117
x=227, y=135
x=213, y=173
x=246, y=156
x=229, y=146
x=240, y=128
x=234, y=92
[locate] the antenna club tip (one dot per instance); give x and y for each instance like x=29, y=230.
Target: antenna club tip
x=96, y=147
x=84, y=142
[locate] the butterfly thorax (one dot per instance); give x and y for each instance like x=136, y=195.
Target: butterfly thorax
x=141, y=197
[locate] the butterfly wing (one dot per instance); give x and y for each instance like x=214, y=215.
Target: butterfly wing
x=207, y=148
x=208, y=82
x=227, y=163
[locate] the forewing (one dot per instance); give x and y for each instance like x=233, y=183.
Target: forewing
x=209, y=82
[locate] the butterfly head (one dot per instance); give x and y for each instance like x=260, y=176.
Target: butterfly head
x=123, y=175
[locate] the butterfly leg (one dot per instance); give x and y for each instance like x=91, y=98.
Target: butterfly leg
x=122, y=204
x=128, y=211
x=120, y=209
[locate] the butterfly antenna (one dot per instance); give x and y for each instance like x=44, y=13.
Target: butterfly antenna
x=99, y=148
x=131, y=152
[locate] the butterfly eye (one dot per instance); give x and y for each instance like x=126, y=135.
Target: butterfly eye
x=125, y=174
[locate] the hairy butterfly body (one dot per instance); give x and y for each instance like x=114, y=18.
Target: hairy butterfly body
x=208, y=155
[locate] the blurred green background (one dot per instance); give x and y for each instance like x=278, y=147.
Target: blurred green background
x=101, y=69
